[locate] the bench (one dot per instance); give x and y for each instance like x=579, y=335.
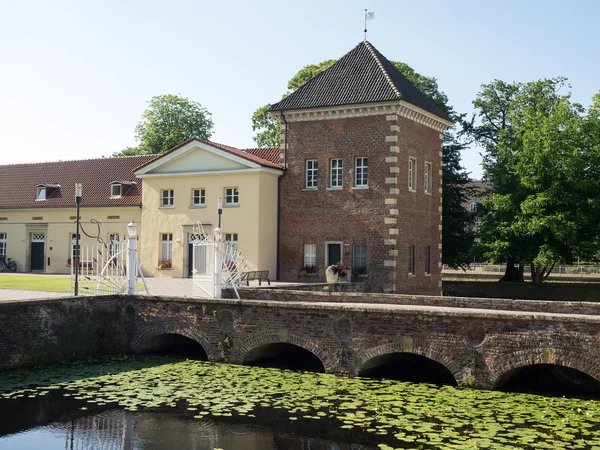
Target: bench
x=260, y=275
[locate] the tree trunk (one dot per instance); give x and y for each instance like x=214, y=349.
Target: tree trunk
x=539, y=274
x=511, y=273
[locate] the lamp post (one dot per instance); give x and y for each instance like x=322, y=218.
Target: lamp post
x=78, y=194
x=218, y=252
x=131, y=258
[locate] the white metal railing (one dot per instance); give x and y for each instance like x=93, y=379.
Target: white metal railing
x=581, y=270
x=102, y=269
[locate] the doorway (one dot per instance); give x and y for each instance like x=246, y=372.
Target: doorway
x=334, y=253
x=37, y=251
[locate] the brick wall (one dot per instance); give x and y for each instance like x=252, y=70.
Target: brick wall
x=386, y=216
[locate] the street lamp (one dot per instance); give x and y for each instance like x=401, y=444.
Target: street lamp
x=132, y=230
x=218, y=253
x=78, y=195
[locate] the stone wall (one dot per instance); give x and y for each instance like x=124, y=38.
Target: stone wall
x=587, y=292
x=43, y=332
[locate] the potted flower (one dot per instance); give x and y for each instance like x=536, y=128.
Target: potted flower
x=69, y=262
x=309, y=270
x=165, y=264
x=336, y=273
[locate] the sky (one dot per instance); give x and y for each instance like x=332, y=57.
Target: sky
x=76, y=76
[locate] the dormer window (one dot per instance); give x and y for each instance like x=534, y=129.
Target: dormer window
x=116, y=190
x=119, y=187
x=40, y=193
x=43, y=190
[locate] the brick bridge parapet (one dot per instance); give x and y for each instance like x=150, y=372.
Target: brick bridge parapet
x=477, y=345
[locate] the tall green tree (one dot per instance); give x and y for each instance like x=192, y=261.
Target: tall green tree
x=456, y=239
x=543, y=168
x=168, y=121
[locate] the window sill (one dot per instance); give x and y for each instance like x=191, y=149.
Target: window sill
x=360, y=187
x=427, y=274
x=412, y=190
x=335, y=188
x=197, y=206
x=427, y=193
x=116, y=196
x=165, y=268
x=166, y=207
x=309, y=189
x=231, y=205
x=412, y=275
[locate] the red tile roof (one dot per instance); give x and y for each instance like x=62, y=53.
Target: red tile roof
x=264, y=157
x=18, y=182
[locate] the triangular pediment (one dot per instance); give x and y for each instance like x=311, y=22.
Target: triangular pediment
x=196, y=157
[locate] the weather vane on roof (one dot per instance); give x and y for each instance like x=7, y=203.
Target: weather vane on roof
x=368, y=16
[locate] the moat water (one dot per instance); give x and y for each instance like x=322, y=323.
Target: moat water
x=157, y=402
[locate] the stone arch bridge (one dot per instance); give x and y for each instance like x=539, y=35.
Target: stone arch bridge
x=478, y=341
x=477, y=346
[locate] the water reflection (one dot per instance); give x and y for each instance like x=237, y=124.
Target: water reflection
x=123, y=430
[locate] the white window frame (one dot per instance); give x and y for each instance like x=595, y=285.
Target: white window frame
x=234, y=238
x=73, y=248
x=311, y=177
x=3, y=241
x=472, y=206
x=40, y=193
x=232, y=196
x=166, y=247
x=201, y=197
x=411, y=259
x=361, y=171
x=168, y=200
x=114, y=241
x=412, y=174
x=339, y=173
x=356, y=257
x=427, y=180
x=427, y=259
x=112, y=193
x=310, y=255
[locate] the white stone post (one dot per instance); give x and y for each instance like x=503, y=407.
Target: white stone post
x=131, y=258
x=218, y=277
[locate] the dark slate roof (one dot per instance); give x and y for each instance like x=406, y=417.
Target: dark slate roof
x=18, y=182
x=362, y=75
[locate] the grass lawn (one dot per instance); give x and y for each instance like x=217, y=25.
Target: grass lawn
x=35, y=283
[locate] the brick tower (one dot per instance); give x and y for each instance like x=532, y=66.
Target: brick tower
x=362, y=148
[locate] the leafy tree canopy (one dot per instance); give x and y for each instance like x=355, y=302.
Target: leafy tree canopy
x=168, y=121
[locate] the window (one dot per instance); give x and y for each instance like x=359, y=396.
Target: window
x=362, y=172
x=411, y=259
x=40, y=193
x=359, y=258
x=310, y=254
x=167, y=198
x=473, y=206
x=335, y=173
x=477, y=226
x=113, y=244
x=116, y=190
x=198, y=197
x=2, y=245
x=74, y=249
x=427, y=259
x=232, y=196
x=312, y=172
x=231, y=244
x=166, y=246
x=428, y=178
x=412, y=175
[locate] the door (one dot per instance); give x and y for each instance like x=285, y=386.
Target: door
x=190, y=259
x=37, y=251
x=334, y=254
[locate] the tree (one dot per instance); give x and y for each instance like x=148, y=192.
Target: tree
x=544, y=170
x=456, y=239
x=168, y=121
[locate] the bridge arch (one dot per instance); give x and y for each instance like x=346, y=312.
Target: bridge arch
x=417, y=347
x=142, y=339
x=504, y=365
x=266, y=338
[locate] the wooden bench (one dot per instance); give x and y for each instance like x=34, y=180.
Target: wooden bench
x=260, y=275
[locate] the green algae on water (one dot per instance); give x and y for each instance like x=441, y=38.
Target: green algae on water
x=395, y=414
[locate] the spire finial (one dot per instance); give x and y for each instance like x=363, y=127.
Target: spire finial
x=368, y=16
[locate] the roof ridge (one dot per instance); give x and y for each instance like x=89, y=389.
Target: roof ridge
x=102, y=158
x=380, y=64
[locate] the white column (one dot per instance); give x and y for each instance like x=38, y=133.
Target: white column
x=218, y=278
x=131, y=266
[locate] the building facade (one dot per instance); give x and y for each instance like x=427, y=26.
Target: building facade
x=363, y=177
